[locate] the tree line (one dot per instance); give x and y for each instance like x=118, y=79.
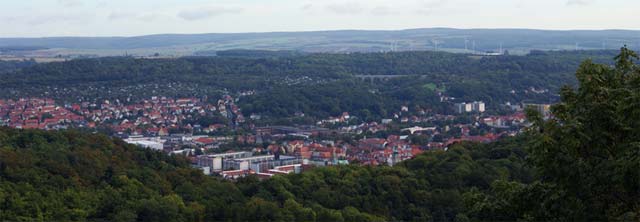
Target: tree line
x=320, y=85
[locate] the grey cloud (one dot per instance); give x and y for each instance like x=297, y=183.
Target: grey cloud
x=357, y=7
x=383, y=10
x=207, y=12
x=102, y=4
x=348, y=8
x=145, y=17
x=428, y=6
x=48, y=19
x=121, y=15
x=70, y=3
x=306, y=7
x=151, y=17
x=579, y=2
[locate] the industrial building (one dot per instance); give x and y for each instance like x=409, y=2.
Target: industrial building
x=245, y=161
x=147, y=142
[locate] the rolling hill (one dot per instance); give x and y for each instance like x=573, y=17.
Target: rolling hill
x=517, y=41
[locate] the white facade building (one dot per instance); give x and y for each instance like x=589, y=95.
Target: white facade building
x=470, y=107
x=478, y=107
x=147, y=142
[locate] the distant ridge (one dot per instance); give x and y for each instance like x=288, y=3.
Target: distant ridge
x=447, y=39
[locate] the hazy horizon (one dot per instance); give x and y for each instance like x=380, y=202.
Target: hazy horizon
x=75, y=18
x=324, y=30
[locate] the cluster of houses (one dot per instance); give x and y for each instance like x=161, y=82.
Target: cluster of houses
x=35, y=113
x=266, y=150
x=506, y=121
x=384, y=151
x=333, y=120
x=372, y=127
x=156, y=116
x=298, y=155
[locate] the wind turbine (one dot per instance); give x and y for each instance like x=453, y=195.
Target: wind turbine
x=466, y=42
x=474, y=46
x=435, y=44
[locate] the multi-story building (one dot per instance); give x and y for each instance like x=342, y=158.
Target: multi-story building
x=463, y=107
x=216, y=161
x=476, y=106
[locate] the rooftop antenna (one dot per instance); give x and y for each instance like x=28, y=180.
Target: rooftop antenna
x=500, y=48
x=577, y=46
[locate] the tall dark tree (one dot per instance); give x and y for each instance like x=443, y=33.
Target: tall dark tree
x=589, y=151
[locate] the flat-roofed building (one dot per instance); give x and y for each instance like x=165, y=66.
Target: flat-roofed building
x=147, y=142
x=215, y=161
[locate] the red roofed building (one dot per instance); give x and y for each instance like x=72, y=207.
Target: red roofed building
x=372, y=144
x=31, y=124
x=204, y=142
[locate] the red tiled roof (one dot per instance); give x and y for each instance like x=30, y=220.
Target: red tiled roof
x=205, y=140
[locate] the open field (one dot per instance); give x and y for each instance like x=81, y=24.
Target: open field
x=515, y=41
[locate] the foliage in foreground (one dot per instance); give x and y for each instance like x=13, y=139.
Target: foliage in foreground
x=70, y=176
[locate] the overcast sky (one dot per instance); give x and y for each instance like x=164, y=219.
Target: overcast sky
x=36, y=18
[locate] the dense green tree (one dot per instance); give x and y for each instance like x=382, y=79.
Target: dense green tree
x=590, y=149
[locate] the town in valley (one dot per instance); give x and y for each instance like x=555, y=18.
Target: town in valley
x=221, y=141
